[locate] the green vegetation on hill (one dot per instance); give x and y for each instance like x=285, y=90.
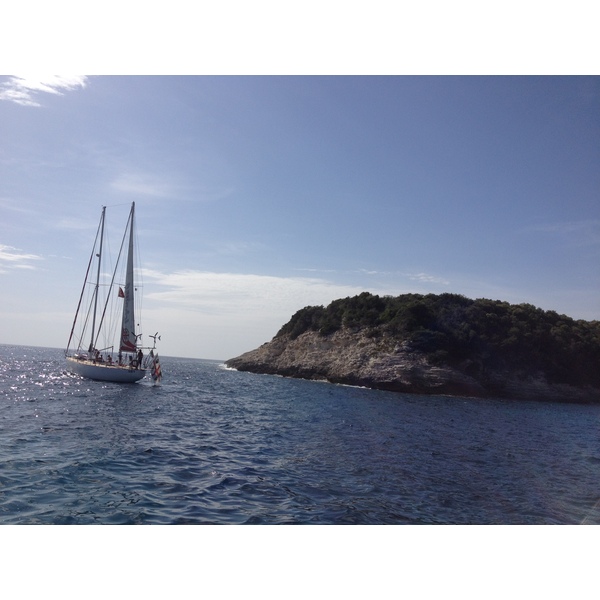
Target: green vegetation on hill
x=476, y=336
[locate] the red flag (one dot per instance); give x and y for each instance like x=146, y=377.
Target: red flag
x=121, y=293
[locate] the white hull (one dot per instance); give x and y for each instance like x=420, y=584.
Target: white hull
x=104, y=372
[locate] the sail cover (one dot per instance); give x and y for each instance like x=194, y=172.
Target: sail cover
x=128, y=337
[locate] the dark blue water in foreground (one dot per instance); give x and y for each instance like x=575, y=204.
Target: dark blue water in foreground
x=215, y=446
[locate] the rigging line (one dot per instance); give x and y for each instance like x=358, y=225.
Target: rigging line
x=83, y=288
x=102, y=221
x=140, y=281
x=120, y=204
x=112, y=280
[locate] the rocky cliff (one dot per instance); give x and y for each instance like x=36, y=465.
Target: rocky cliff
x=353, y=358
x=371, y=356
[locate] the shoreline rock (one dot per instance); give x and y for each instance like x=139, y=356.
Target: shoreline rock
x=352, y=357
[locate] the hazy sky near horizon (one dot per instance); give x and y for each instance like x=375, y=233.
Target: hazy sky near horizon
x=259, y=195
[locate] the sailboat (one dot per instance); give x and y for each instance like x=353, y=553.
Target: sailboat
x=94, y=353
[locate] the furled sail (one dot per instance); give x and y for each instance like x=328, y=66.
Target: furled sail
x=128, y=337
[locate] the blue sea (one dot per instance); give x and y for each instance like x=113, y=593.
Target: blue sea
x=216, y=446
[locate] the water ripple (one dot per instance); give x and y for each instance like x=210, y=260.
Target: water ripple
x=214, y=446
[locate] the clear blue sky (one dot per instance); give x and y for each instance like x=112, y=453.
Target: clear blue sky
x=257, y=196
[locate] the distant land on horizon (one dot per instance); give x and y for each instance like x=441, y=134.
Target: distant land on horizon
x=437, y=344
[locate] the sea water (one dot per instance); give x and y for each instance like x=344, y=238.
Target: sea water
x=217, y=446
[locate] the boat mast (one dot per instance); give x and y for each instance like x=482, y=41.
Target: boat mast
x=99, y=255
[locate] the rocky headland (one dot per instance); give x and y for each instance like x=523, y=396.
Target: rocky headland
x=444, y=344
